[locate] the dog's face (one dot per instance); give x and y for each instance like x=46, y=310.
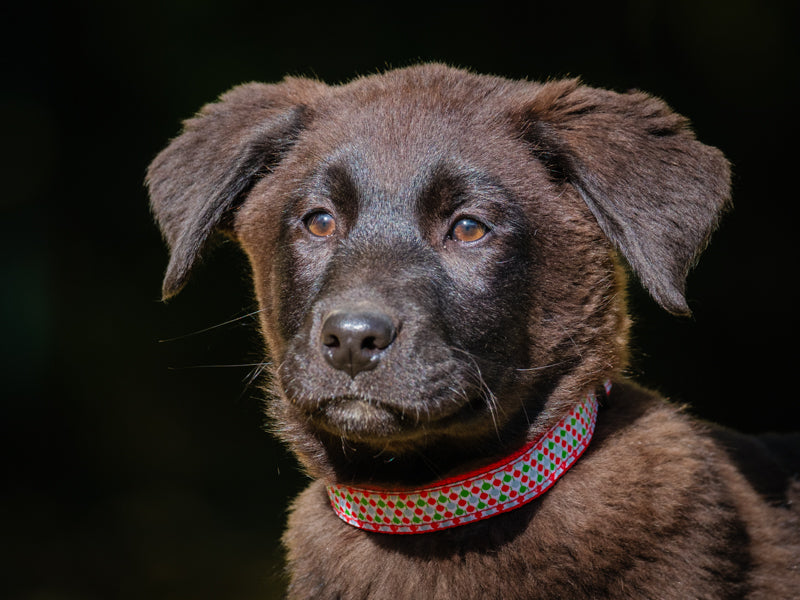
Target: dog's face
x=410, y=264
x=433, y=251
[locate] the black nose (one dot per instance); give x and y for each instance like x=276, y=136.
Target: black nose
x=353, y=341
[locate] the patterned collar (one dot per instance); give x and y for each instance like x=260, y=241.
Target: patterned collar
x=480, y=494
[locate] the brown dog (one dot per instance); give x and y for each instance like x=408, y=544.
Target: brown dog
x=435, y=258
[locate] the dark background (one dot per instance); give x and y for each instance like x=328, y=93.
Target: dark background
x=134, y=468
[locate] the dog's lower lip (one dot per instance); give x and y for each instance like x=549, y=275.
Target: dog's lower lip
x=358, y=417
x=374, y=420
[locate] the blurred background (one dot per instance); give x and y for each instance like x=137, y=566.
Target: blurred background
x=135, y=467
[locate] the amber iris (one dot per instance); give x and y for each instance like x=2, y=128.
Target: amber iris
x=321, y=224
x=468, y=230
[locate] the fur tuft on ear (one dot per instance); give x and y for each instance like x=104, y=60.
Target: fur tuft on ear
x=204, y=174
x=656, y=191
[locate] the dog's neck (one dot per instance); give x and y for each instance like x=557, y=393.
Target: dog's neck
x=497, y=488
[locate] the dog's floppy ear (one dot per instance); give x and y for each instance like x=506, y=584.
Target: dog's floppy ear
x=203, y=175
x=656, y=191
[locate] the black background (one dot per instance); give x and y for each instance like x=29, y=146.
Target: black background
x=134, y=468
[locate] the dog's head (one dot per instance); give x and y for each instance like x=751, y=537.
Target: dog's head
x=434, y=251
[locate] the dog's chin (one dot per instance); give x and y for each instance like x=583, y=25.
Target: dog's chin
x=372, y=422
x=358, y=419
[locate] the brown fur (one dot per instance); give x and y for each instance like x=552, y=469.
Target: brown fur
x=491, y=341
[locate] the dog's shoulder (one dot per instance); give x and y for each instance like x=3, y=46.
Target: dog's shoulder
x=726, y=493
x=635, y=417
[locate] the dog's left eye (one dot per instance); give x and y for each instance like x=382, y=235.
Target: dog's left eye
x=320, y=224
x=468, y=230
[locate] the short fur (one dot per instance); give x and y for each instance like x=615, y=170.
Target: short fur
x=492, y=340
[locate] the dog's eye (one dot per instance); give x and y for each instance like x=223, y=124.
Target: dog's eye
x=320, y=224
x=468, y=230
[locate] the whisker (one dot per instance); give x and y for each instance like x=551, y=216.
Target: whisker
x=198, y=332
x=525, y=412
x=432, y=466
x=520, y=369
x=550, y=366
x=486, y=392
x=253, y=376
x=261, y=366
x=572, y=340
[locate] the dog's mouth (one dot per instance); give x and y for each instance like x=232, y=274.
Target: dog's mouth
x=358, y=418
x=367, y=420
x=407, y=401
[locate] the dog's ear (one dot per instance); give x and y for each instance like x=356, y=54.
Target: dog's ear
x=656, y=191
x=198, y=181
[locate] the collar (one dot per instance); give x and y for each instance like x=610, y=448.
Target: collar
x=480, y=494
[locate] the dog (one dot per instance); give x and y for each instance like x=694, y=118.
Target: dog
x=438, y=258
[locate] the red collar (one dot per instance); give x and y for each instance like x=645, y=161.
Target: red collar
x=480, y=494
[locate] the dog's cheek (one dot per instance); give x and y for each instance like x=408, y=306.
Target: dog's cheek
x=267, y=237
x=488, y=302
x=579, y=318
x=297, y=271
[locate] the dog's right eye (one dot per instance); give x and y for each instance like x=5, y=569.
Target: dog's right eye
x=320, y=224
x=468, y=230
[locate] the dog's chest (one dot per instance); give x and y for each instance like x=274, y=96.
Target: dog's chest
x=596, y=534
